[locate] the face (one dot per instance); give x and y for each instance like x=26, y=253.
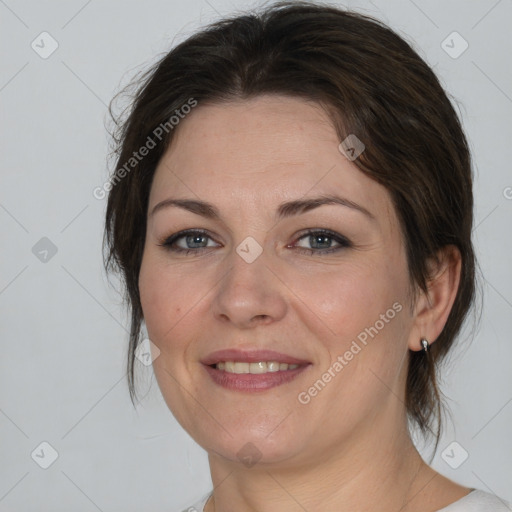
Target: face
x=323, y=285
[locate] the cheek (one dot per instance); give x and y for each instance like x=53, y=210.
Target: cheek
x=363, y=350
x=162, y=304
x=350, y=297
x=360, y=319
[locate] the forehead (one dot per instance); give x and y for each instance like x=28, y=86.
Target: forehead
x=263, y=150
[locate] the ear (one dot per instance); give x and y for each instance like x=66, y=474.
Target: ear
x=432, y=308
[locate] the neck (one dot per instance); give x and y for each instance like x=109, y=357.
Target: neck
x=371, y=471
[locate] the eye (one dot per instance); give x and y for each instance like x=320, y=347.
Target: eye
x=188, y=241
x=321, y=242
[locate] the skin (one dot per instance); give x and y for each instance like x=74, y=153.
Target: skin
x=348, y=448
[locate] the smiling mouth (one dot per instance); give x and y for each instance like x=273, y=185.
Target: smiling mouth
x=255, y=376
x=260, y=367
x=252, y=369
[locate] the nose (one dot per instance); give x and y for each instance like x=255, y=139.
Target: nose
x=250, y=294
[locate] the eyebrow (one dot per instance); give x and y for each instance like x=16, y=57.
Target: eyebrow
x=284, y=210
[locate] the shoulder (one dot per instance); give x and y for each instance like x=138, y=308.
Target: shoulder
x=479, y=501
x=199, y=505
x=475, y=501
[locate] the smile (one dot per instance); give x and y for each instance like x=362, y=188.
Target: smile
x=254, y=368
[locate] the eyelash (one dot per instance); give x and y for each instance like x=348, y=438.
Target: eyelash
x=341, y=240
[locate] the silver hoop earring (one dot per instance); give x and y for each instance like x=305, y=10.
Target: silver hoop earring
x=425, y=345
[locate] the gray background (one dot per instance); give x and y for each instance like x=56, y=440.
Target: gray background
x=63, y=329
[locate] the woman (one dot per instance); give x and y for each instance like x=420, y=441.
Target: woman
x=292, y=216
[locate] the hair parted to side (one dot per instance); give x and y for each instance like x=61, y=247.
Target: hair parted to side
x=372, y=84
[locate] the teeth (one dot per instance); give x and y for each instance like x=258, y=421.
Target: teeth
x=273, y=366
x=241, y=368
x=259, y=367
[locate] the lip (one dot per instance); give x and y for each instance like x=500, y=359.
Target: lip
x=249, y=382
x=251, y=356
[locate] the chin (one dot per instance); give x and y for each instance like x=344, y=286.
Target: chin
x=252, y=445
x=250, y=453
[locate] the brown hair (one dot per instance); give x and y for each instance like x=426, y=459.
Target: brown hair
x=372, y=84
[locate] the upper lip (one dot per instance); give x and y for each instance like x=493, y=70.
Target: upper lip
x=250, y=356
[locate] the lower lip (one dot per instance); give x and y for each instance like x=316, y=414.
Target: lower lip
x=251, y=382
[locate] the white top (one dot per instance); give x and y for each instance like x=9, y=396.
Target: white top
x=475, y=501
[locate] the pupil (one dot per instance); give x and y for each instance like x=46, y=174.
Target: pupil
x=321, y=239
x=191, y=239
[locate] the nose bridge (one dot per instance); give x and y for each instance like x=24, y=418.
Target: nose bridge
x=248, y=268
x=249, y=289
x=248, y=262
